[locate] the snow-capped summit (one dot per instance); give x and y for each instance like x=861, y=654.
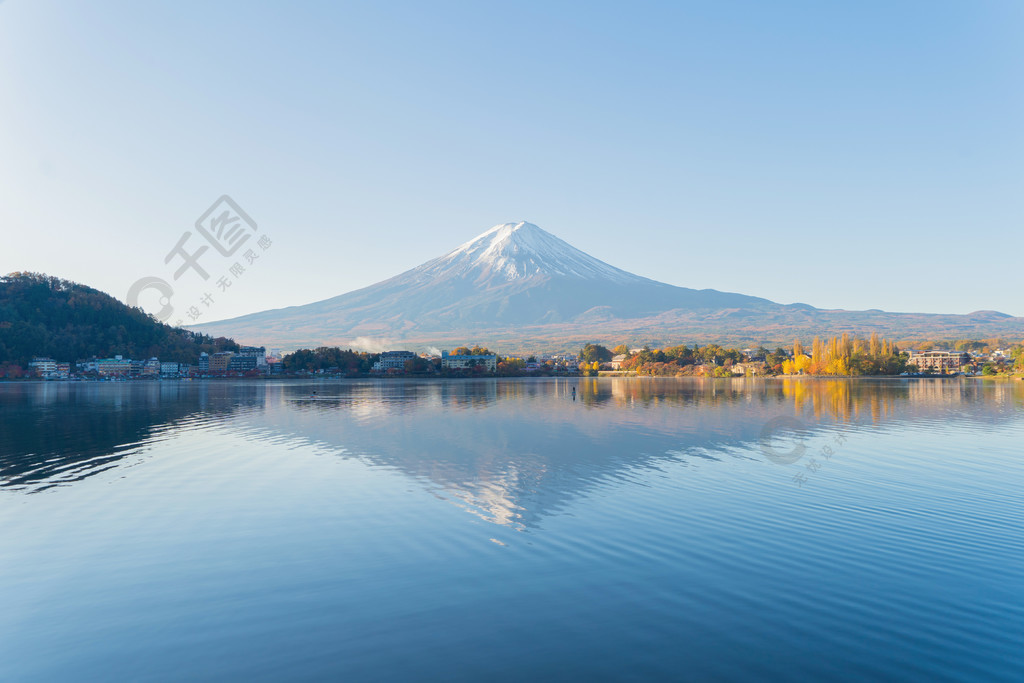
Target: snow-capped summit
x=517, y=285
x=516, y=251
x=513, y=276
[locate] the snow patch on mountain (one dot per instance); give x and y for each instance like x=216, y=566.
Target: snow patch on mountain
x=519, y=251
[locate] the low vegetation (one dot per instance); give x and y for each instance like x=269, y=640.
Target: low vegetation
x=329, y=359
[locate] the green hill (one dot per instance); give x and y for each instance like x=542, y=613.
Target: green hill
x=46, y=316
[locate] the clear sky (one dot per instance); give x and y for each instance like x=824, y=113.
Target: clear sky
x=846, y=155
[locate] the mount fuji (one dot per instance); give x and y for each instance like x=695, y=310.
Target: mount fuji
x=519, y=286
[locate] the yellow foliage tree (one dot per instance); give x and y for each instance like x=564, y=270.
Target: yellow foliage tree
x=802, y=363
x=837, y=366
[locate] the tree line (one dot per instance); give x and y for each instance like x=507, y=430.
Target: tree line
x=836, y=356
x=329, y=359
x=846, y=355
x=46, y=316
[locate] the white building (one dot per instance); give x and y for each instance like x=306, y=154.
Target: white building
x=259, y=353
x=617, y=361
x=449, y=362
x=393, y=361
x=43, y=367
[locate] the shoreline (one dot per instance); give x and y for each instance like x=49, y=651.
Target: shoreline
x=603, y=375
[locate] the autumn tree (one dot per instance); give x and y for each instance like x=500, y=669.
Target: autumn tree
x=511, y=366
x=969, y=345
x=802, y=363
x=777, y=357
x=874, y=346
x=817, y=356
x=595, y=352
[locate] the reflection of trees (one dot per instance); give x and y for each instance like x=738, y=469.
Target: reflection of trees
x=55, y=433
x=514, y=451
x=397, y=396
x=875, y=401
x=653, y=391
x=842, y=400
x=402, y=396
x=511, y=451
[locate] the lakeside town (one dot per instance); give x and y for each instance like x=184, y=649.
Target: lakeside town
x=839, y=356
x=54, y=329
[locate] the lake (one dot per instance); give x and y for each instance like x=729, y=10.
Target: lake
x=505, y=530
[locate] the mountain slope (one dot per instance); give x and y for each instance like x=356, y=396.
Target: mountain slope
x=517, y=284
x=515, y=274
x=47, y=316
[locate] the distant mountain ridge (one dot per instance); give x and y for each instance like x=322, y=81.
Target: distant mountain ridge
x=518, y=284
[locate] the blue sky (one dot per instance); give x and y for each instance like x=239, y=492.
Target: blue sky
x=847, y=155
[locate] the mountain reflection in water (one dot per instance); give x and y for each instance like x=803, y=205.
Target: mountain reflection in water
x=510, y=451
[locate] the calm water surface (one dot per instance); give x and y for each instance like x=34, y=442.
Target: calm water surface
x=499, y=530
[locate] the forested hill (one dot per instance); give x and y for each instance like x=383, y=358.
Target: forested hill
x=46, y=316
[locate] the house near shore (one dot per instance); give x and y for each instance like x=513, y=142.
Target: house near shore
x=392, y=362
x=48, y=368
x=616, y=362
x=749, y=368
x=943, y=362
x=449, y=362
